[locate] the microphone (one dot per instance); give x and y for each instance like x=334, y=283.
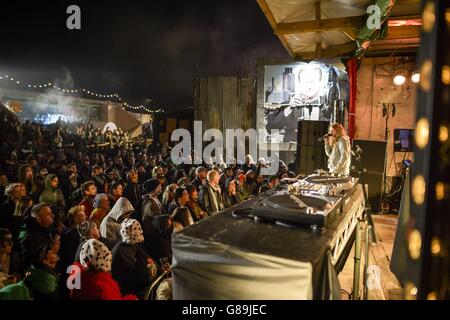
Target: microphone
x=324, y=137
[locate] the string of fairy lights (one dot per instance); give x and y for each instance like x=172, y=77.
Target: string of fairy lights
x=45, y=85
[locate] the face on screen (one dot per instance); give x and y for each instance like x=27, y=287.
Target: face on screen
x=310, y=78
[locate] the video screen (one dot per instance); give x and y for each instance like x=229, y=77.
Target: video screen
x=300, y=91
x=403, y=140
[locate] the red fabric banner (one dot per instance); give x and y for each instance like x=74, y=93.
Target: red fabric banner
x=352, y=74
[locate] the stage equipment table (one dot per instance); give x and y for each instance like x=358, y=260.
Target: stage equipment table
x=224, y=257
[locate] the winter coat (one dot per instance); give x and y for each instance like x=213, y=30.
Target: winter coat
x=129, y=268
x=88, y=204
x=70, y=239
x=151, y=207
x=33, y=238
x=98, y=285
x=194, y=209
x=43, y=283
x=132, y=192
x=52, y=196
x=230, y=200
x=198, y=183
x=9, y=221
x=14, y=267
x=158, y=237
x=16, y=291
x=206, y=200
x=182, y=218
x=110, y=226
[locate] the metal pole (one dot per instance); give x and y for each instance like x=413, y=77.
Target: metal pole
x=366, y=260
x=357, y=261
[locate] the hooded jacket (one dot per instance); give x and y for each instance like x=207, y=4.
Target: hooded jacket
x=110, y=226
x=132, y=267
x=52, y=196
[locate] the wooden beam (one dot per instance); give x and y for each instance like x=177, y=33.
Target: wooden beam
x=269, y=15
x=327, y=53
x=317, y=10
x=403, y=32
x=319, y=25
x=319, y=38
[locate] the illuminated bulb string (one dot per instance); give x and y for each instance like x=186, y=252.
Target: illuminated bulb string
x=6, y=77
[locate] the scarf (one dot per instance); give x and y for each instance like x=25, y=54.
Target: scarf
x=94, y=254
x=131, y=232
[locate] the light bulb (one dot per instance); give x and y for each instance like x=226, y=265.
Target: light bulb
x=399, y=79
x=415, y=78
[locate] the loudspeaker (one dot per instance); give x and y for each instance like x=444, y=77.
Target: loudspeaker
x=310, y=152
x=399, y=260
x=374, y=161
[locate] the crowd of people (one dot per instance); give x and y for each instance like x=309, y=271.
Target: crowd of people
x=80, y=202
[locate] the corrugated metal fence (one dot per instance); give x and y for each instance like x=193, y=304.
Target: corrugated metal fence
x=225, y=103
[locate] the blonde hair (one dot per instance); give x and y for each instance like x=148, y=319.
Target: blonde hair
x=74, y=210
x=212, y=174
x=339, y=128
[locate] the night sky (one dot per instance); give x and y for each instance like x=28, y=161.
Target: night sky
x=140, y=49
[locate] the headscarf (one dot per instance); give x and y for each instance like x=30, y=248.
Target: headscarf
x=85, y=229
x=131, y=231
x=95, y=255
x=10, y=187
x=48, y=181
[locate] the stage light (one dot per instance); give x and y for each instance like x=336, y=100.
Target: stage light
x=418, y=189
x=415, y=244
x=435, y=246
x=422, y=133
x=446, y=75
x=415, y=78
x=443, y=133
x=399, y=79
x=425, y=75
x=440, y=191
x=432, y=296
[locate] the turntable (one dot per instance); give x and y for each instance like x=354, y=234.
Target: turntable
x=310, y=210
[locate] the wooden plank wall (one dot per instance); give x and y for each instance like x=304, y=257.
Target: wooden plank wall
x=225, y=103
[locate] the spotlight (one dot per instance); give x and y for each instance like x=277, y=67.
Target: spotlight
x=415, y=78
x=399, y=79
